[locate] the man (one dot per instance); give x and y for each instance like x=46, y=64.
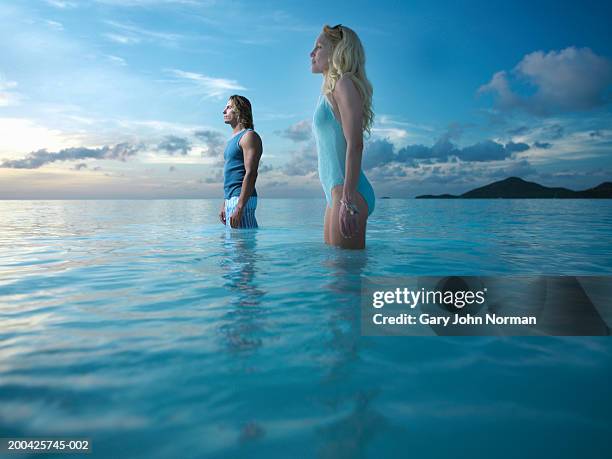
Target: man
x=242, y=154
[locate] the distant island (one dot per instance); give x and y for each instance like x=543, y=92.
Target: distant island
x=517, y=188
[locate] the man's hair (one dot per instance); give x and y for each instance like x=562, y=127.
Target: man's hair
x=243, y=110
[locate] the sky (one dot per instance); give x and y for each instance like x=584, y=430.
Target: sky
x=104, y=99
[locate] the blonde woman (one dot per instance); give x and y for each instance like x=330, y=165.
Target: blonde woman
x=343, y=114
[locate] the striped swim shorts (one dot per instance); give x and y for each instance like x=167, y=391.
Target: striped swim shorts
x=248, y=214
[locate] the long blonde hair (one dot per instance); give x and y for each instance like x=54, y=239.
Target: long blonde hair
x=348, y=58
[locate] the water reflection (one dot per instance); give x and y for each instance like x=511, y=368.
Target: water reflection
x=243, y=318
x=342, y=389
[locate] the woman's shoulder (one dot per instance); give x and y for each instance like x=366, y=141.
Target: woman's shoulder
x=345, y=82
x=345, y=88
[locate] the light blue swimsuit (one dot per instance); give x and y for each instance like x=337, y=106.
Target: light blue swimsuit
x=331, y=147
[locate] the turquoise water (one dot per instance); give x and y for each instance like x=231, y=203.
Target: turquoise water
x=147, y=328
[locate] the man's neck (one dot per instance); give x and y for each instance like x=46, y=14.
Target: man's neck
x=238, y=128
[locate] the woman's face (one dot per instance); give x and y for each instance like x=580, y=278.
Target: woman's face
x=320, y=55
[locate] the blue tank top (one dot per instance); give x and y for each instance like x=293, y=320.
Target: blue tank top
x=233, y=169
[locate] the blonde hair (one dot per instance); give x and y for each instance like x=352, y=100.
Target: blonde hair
x=348, y=58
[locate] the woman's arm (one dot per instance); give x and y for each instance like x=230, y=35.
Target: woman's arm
x=252, y=149
x=351, y=114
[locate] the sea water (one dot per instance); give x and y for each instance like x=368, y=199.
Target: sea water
x=146, y=327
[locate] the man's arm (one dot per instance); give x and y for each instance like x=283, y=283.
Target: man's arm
x=252, y=149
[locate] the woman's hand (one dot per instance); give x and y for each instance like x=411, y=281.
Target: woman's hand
x=348, y=216
x=222, y=213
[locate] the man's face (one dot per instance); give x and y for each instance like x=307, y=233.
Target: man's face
x=229, y=114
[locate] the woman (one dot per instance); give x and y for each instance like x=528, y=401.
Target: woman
x=343, y=114
x=242, y=154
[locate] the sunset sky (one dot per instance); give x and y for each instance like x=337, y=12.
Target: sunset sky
x=123, y=98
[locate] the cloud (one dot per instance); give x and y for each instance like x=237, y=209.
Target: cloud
x=452, y=176
x=116, y=60
x=499, y=85
x=554, y=131
x=542, y=145
x=384, y=160
x=520, y=168
x=298, y=132
x=173, y=144
x=215, y=146
x=395, y=135
x=215, y=142
x=207, y=86
x=417, y=151
x=487, y=150
x=61, y=4
x=387, y=172
x=377, y=152
x=275, y=184
x=574, y=177
x=443, y=148
x=572, y=79
x=302, y=162
x=34, y=160
x=216, y=177
x=399, y=132
x=521, y=130
x=145, y=3
x=512, y=147
x=381, y=152
x=8, y=96
x=131, y=34
x=122, y=39
x=55, y=25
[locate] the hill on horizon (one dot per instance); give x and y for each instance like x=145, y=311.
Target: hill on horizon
x=517, y=188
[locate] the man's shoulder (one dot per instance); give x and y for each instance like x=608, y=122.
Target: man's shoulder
x=250, y=136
